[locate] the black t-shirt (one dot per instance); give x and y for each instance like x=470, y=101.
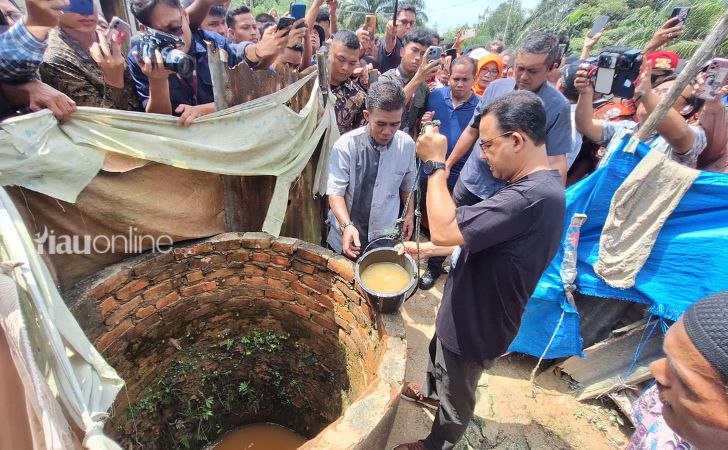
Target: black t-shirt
x=510, y=238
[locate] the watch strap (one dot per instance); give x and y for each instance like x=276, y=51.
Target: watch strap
x=343, y=226
x=432, y=166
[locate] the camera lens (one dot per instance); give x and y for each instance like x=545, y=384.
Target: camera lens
x=177, y=61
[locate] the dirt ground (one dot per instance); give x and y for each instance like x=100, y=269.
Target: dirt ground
x=507, y=416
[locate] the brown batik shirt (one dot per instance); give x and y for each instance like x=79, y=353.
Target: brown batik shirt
x=350, y=100
x=68, y=67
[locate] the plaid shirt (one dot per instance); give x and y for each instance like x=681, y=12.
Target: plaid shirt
x=20, y=54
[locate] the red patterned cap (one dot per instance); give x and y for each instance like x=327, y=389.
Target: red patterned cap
x=663, y=60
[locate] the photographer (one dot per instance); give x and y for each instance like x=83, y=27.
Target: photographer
x=295, y=55
x=714, y=120
x=190, y=96
x=412, y=74
x=680, y=141
x=389, y=55
x=85, y=64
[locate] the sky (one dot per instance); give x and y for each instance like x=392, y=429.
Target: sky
x=449, y=14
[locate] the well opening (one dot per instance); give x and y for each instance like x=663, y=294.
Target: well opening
x=238, y=329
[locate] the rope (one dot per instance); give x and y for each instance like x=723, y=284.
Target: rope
x=640, y=347
x=397, y=235
x=532, y=380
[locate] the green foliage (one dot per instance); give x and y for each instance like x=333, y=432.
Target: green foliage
x=262, y=342
x=352, y=12
x=632, y=23
x=205, y=383
x=263, y=6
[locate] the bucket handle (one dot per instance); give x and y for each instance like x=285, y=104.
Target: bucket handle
x=417, y=268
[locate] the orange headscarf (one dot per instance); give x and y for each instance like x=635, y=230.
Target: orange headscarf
x=482, y=62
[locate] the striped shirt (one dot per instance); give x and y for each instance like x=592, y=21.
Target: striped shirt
x=20, y=54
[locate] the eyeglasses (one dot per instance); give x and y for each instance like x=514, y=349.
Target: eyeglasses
x=489, y=71
x=485, y=143
x=406, y=22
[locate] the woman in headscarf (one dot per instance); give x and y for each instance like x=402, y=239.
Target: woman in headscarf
x=489, y=69
x=82, y=64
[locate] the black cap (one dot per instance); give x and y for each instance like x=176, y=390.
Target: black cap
x=706, y=322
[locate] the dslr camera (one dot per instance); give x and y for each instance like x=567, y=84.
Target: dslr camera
x=616, y=72
x=168, y=45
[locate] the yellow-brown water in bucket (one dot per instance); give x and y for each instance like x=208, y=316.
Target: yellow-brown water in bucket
x=261, y=436
x=385, y=278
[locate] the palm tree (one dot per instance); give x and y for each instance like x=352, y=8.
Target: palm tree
x=352, y=12
x=633, y=23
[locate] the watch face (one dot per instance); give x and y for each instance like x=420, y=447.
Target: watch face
x=428, y=167
x=431, y=166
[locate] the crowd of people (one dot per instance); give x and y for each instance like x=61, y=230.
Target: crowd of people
x=513, y=127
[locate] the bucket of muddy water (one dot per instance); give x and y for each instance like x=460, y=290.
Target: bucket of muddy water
x=386, y=278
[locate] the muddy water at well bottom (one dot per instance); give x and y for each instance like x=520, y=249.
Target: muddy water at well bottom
x=385, y=278
x=260, y=436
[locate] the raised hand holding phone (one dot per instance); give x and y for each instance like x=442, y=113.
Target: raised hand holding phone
x=599, y=24
x=118, y=32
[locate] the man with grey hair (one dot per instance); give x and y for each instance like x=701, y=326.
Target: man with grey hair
x=350, y=97
x=370, y=168
x=534, y=61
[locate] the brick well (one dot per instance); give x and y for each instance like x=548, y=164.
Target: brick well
x=243, y=328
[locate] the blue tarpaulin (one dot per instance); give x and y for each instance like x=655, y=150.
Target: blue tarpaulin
x=688, y=261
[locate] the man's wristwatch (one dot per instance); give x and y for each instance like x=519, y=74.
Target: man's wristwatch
x=429, y=167
x=343, y=226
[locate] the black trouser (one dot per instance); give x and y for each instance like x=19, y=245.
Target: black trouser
x=453, y=381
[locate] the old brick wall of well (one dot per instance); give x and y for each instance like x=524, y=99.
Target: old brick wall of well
x=147, y=313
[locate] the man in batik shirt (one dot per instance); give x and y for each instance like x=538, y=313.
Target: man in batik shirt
x=350, y=97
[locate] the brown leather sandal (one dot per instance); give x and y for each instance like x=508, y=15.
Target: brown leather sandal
x=412, y=393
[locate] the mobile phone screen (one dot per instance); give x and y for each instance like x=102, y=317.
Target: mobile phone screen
x=599, y=23
x=433, y=53
x=83, y=7
x=298, y=10
x=681, y=13
x=285, y=22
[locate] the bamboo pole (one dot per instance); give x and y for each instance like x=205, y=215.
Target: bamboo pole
x=711, y=42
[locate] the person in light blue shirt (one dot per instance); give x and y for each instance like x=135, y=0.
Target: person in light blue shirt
x=371, y=169
x=534, y=60
x=453, y=106
x=23, y=45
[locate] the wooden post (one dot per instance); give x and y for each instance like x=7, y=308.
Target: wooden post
x=711, y=42
x=217, y=60
x=322, y=61
x=232, y=198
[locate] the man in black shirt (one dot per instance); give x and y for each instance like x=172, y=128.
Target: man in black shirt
x=500, y=248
